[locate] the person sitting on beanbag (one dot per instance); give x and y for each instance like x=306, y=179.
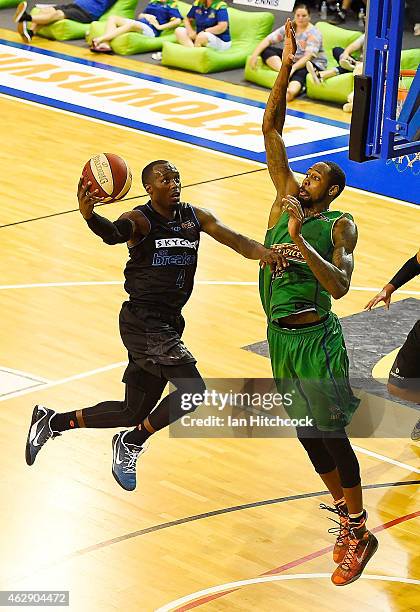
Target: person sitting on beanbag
x=344, y=58
x=157, y=16
x=83, y=11
x=309, y=48
x=211, y=26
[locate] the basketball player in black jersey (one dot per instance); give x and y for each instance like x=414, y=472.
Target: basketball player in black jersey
x=404, y=376
x=163, y=238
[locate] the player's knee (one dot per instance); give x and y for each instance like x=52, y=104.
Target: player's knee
x=133, y=412
x=312, y=442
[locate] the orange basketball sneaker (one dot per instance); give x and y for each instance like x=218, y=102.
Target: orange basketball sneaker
x=362, y=546
x=342, y=531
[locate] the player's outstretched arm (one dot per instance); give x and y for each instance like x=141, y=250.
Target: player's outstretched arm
x=128, y=228
x=407, y=272
x=273, y=122
x=335, y=276
x=251, y=249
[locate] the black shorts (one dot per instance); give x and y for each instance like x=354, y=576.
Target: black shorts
x=74, y=12
x=299, y=75
x=152, y=339
x=405, y=372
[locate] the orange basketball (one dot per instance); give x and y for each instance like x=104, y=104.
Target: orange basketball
x=110, y=174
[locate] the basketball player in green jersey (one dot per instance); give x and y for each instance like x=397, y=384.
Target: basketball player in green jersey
x=307, y=349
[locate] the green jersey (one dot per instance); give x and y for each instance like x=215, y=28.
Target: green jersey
x=296, y=289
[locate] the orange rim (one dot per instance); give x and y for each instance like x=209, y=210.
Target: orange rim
x=403, y=90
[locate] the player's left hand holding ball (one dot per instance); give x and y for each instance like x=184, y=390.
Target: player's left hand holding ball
x=87, y=199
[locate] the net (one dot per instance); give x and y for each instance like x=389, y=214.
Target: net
x=411, y=162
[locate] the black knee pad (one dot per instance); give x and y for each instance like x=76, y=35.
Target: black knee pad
x=312, y=442
x=345, y=459
x=138, y=404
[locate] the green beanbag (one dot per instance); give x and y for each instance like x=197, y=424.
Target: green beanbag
x=410, y=59
x=8, y=3
x=67, y=29
x=339, y=87
x=134, y=42
x=335, y=89
x=246, y=30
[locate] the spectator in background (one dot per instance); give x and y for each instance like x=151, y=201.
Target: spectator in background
x=344, y=8
x=158, y=15
x=83, y=11
x=346, y=63
x=309, y=48
x=413, y=7
x=211, y=29
x=344, y=58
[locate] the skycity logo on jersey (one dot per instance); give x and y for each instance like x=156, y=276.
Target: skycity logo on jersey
x=161, y=258
x=169, y=243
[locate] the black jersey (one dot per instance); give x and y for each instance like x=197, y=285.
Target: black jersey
x=160, y=271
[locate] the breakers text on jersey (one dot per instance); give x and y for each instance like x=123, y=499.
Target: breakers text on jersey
x=161, y=258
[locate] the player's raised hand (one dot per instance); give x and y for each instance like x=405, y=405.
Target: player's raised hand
x=87, y=200
x=382, y=296
x=290, y=45
x=296, y=215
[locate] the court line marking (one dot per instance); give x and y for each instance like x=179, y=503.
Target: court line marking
x=229, y=585
x=62, y=381
x=220, y=511
x=212, y=593
x=385, y=459
x=197, y=282
x=239, y=583
x=38, y=380
x=23, y=374
x=263, y=166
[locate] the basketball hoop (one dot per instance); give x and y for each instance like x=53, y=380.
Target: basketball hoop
x=405, y=162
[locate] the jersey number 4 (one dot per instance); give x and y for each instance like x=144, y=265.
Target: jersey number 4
x=180, y=279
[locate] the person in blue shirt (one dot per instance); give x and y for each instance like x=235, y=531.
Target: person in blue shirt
x=157, y=16
x=83, y=11
x=211, y=26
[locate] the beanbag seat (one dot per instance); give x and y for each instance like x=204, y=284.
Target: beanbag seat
x=246, y=30
x=134, y=42
x=67, y=29
x=8, y=3
x=335, y=89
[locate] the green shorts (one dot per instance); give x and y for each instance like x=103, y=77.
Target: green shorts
x=311, y=364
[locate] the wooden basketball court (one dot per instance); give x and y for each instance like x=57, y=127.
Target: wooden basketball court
x=195, y=521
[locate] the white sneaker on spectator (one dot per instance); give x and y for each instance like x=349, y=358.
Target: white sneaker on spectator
x=314, y=72
x=157, y=56
x=348, y=63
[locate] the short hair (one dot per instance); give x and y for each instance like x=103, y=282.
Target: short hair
x=336, y=175
x=301, y=5
x=146, y=173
